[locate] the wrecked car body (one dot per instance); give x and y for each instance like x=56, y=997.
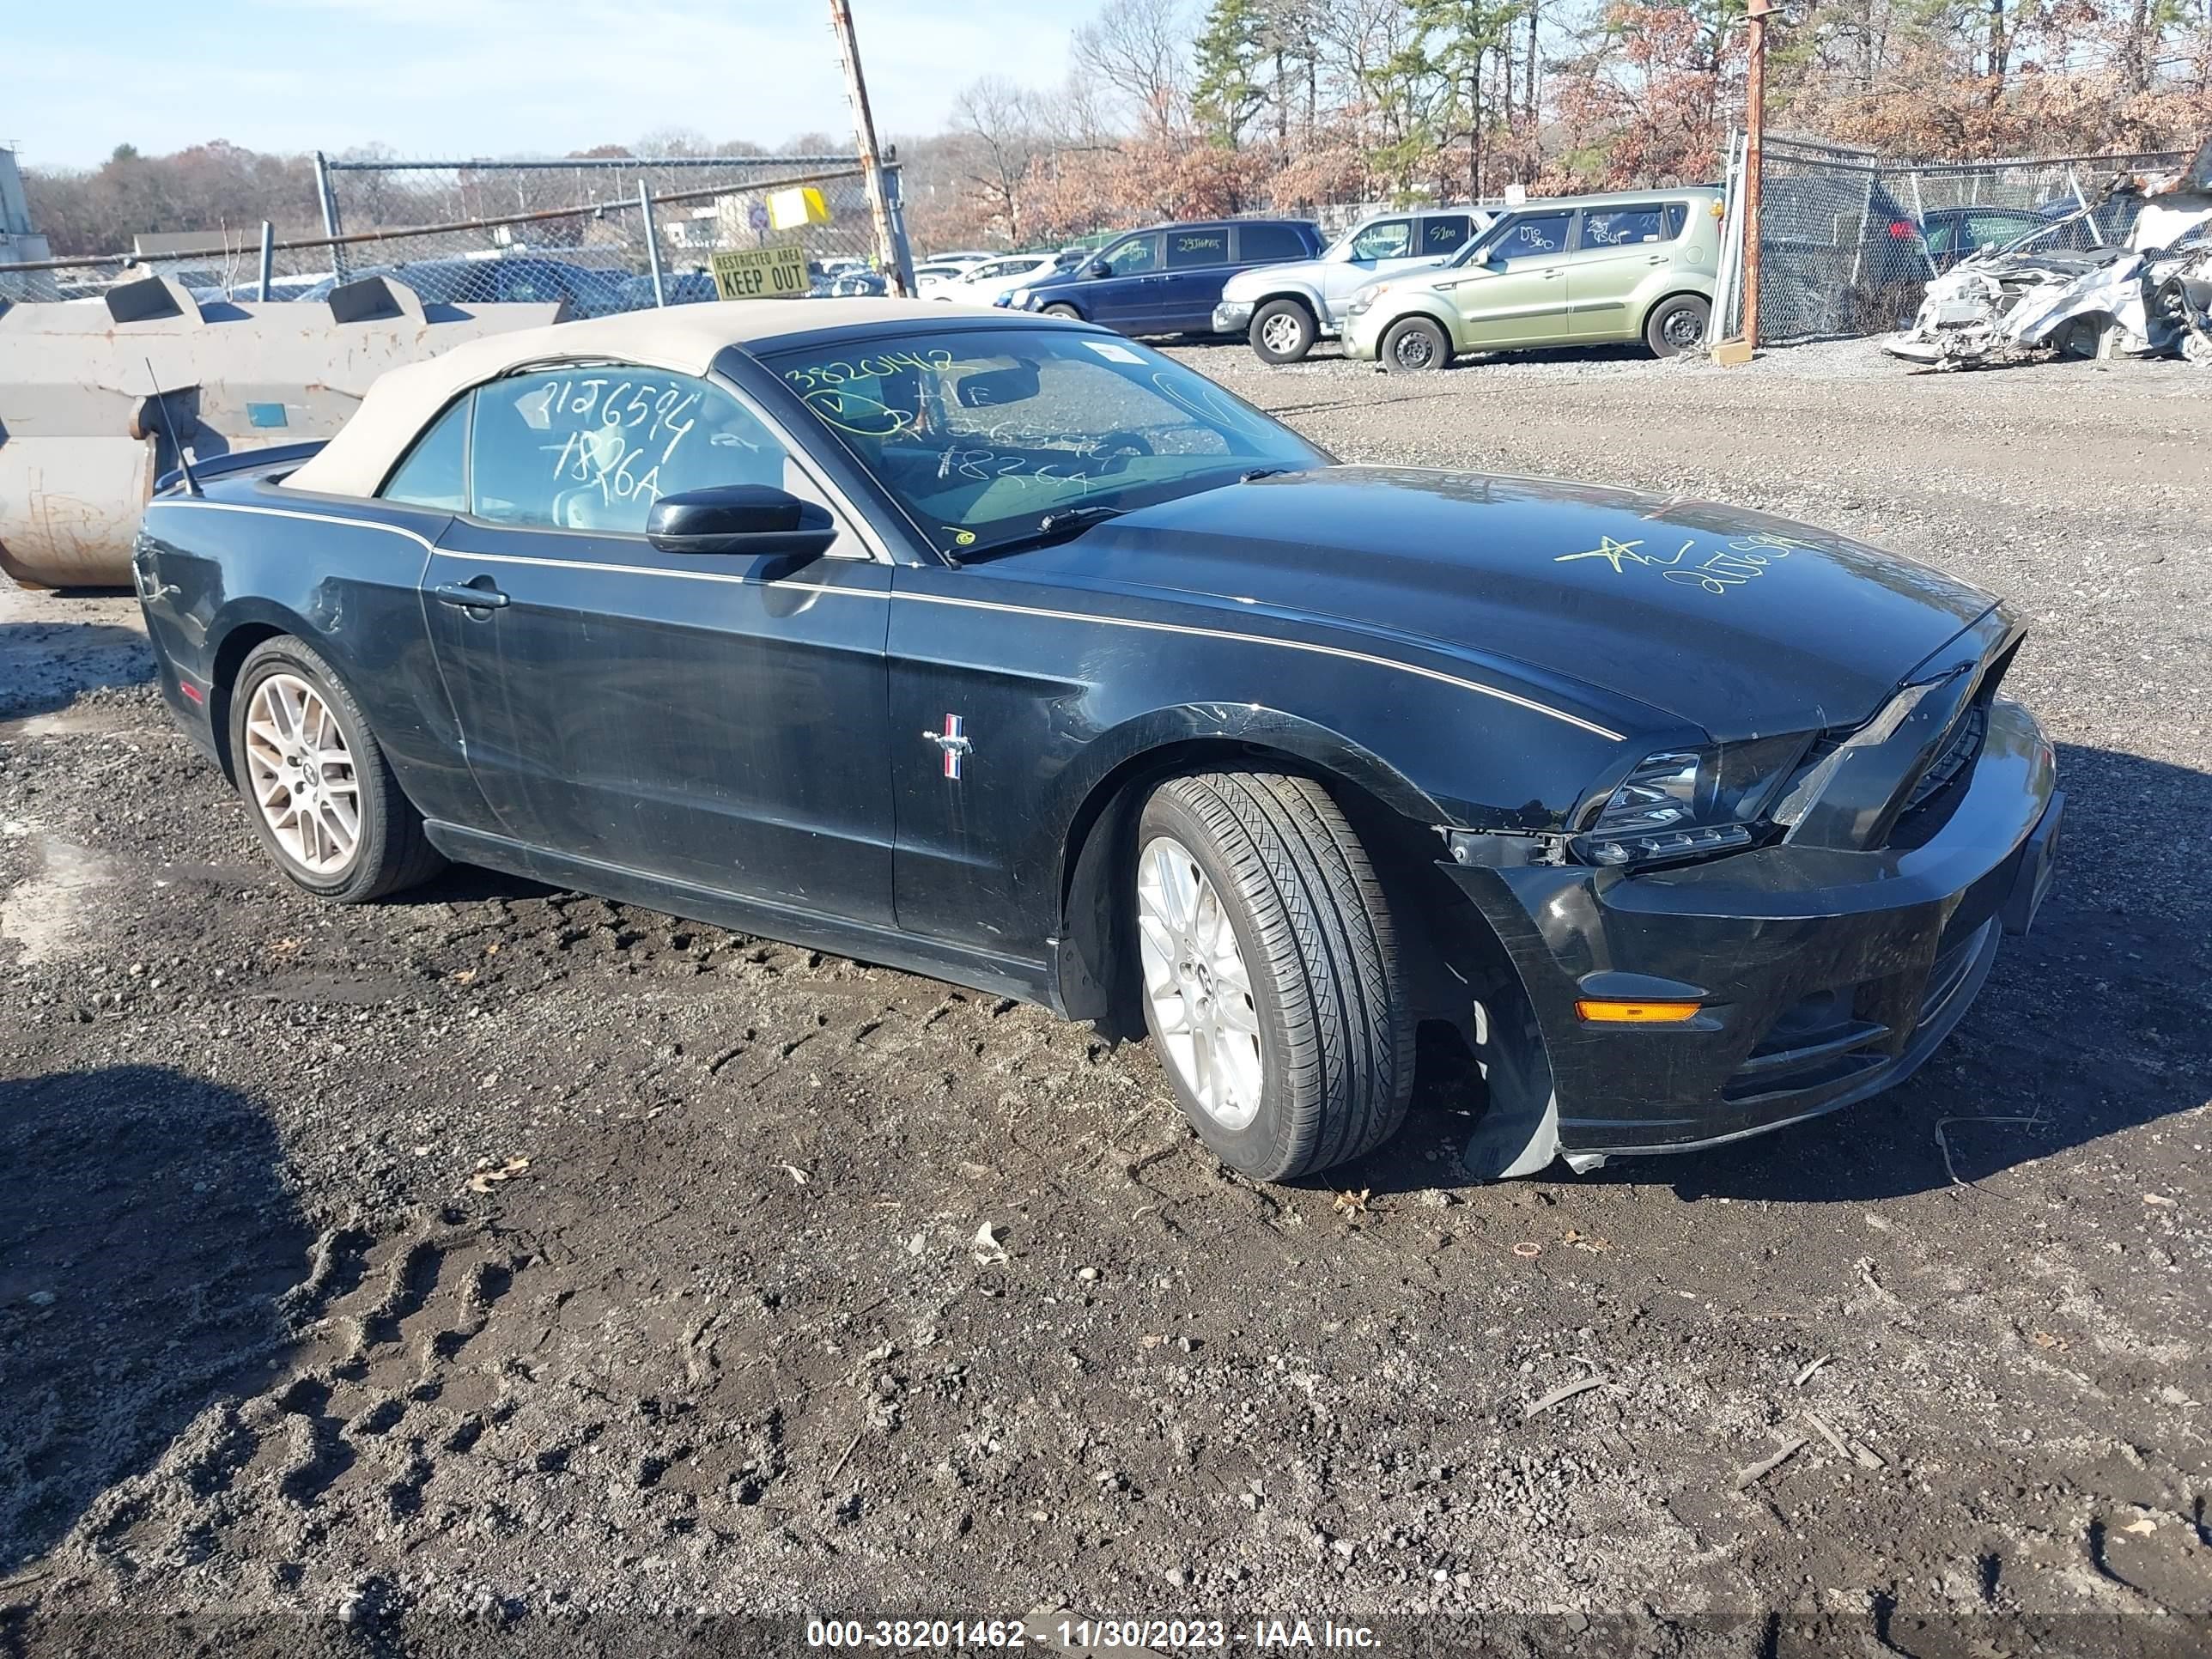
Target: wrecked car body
x=2025, y=300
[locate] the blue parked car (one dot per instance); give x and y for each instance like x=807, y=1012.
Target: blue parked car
x=1167, y=279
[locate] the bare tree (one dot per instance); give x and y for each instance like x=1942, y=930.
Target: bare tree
x=1140, y=48
x=999, y=122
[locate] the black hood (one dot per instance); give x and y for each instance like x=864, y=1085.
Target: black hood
x=1743, y=624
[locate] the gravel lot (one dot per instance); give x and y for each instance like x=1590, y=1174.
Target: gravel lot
x=502, y=1256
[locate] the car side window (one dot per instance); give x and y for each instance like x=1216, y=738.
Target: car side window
x=592, y=447
x=1532, y=236
x=1258, y=244
x=1984, y=228
x=1135, y=257
x=431, y=473
x=1188, y=250
x=1387, y=239
x=1444, y=233
x=1678, y=216
x=1623, y=226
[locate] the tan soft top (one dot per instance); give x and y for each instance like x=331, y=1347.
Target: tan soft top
x=680, y=340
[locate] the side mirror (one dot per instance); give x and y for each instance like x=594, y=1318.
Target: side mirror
x=1098, y=268
x=743, y=518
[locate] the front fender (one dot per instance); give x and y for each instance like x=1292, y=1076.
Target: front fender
x=1086, y=834
x=1390, y=309
x=1306, y=294
x=1160, y=739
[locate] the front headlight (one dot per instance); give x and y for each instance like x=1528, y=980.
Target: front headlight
x=1688, y=803
x=1362, y=303
x=1021, y=297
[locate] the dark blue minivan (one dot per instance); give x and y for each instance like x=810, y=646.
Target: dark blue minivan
x=1167, y=279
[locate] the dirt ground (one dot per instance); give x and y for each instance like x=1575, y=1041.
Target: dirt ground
x=497, y=1263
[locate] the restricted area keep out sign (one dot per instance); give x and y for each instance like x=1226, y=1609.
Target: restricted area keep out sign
x=761, y=273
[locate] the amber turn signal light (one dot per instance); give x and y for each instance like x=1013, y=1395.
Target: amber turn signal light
x=1638, y=1013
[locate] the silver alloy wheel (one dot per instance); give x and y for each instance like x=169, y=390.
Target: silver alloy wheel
x=1682, y=328
x=1414, y=348
x=1195, y=980
x=1280, y=334
x=302, y=774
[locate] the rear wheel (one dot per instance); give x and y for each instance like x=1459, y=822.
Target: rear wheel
x=1414, y=343
x=1283, y=331
x=323, y=798
x=1271, y=979
x=1677, y=325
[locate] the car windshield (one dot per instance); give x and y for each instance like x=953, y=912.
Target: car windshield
x=1478, y=247
x=982, y=434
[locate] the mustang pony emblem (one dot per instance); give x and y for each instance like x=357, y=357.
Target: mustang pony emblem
x=952, y=741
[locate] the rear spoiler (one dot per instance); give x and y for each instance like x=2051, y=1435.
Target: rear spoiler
x=275, y=458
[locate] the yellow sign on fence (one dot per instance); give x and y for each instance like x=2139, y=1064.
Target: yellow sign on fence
x=761, y=273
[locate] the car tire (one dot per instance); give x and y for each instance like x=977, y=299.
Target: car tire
x=1258, y=878
x=328, y=752
x=1676, y=324
x=1414, y=345
x=1068, y=311
x=1283, y=331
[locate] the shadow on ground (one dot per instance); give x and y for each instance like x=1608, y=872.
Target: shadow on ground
x=142, y=1277
x=2095, y=1022
x=46, y=665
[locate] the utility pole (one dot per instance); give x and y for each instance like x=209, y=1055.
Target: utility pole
x=1739, y=350
x=872, y=169
x=1755, y=165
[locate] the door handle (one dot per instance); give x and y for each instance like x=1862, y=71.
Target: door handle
x=1659, y=260
x=486, y=597
x=1551, y=275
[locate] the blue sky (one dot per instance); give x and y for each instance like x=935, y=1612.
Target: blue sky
x=491, y=76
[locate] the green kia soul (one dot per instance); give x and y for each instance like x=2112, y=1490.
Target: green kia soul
x=1576, y=271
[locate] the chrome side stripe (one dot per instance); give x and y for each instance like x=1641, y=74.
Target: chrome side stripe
x=424, y=542
x=1187, y=630
x=1337, y=651
x=673, y=575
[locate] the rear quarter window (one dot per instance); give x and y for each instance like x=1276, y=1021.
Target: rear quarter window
x=1259, y=244
x=432, y=474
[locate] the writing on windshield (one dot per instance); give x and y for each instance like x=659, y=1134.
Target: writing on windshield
x=980, y=435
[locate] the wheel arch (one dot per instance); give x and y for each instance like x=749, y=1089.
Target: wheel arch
x=1296, y=293
x=1391, y=814
x=232, y=645
x=1675, y=290
x=1430, y=307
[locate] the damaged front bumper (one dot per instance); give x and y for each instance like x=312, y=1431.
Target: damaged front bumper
x=1823, y=975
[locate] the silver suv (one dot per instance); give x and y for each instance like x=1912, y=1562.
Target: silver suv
x=1283, y=309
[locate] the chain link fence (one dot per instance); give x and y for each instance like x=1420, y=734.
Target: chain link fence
x=1847, y=241
x=605, y=233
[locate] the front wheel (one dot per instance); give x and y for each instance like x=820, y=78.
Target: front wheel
x=1067, y=312
x=1272, y=979
x=1677, y=325
x=323, y=800
x=1415, y=343
x=1283, y=331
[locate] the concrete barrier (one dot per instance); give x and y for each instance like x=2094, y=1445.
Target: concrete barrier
x=84, y=385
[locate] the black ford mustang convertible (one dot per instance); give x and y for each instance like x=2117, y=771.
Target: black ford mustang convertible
x=1004, y=650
